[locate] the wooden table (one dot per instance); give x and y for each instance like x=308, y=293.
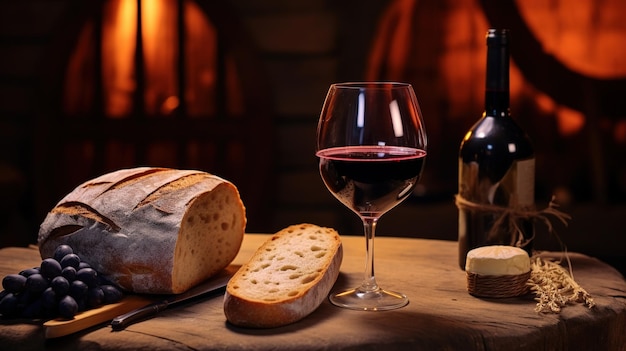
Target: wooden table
x=441, y=314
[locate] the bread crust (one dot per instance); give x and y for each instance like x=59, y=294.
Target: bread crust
x=248, y=309
x=136, y=227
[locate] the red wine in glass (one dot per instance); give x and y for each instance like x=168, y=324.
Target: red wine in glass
x=371, y=180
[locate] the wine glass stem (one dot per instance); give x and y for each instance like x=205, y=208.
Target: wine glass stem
x=369, y=281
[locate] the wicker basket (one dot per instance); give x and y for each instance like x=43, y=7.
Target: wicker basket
x=498, y=286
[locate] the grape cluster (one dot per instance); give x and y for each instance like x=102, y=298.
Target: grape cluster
x=61, y=286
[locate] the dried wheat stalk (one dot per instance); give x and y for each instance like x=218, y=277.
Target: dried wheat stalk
x=554, y=287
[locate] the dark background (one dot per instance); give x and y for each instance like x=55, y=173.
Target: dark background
x=567, y=92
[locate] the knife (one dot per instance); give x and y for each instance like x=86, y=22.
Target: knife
x=213, y=287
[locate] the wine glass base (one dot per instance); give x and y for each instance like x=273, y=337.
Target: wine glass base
x=377, y=300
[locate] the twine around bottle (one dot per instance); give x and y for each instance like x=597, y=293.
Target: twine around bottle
x=511, y=216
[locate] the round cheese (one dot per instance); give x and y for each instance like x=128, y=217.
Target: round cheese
x=497, y=260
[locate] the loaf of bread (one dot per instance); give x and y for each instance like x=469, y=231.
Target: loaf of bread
x=286, y=279
x=150, y=230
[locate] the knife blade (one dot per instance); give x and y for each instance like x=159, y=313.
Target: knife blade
x=213, y=287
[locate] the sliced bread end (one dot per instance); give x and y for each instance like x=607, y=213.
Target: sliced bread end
x=286, y=279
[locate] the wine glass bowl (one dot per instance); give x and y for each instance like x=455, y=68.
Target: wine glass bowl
x=371, y=145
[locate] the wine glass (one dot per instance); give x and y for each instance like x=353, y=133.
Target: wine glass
x=371, y=145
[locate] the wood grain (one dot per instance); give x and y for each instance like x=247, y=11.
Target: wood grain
x=61, y=327
x=441, y=314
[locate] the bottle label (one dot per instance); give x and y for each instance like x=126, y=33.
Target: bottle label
x=525, y=182
x=515, y=189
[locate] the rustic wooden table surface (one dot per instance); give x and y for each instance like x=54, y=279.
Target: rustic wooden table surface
x=441, y=314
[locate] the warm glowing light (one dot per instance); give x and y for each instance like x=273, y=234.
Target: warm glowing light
x=394, y=42
x=544, y=103
x=160, y=43
x=569, y=121
x=118, y=47
x=619, y=132
x=169, y=105
x=201, y=60
x=139, y=74
x=160, y=59
x=588, y=37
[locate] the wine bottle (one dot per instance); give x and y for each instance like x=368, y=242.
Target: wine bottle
x=496, y=166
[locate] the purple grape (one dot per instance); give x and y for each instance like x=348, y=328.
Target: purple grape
x=36, y=283
x=14, y=283
x=78, y=289
x=33, y=309
x=89, y=276
x=111, y=294
x=70, y=260
x=68, y=307
x=95, y=297
x=102, y=280
x=69, y=273
x=9, y=305
x=50, y=268
x=60, y=286
x=82, y=305
x=61, y=251
x=26, y=297
x=82, y=265
x=30, y=271
x=49, y=299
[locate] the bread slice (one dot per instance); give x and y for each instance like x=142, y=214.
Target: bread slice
x=150, y=230
x=286, y=279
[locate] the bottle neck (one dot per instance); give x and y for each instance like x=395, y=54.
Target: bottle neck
x=497, y=77
x=497, y=103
